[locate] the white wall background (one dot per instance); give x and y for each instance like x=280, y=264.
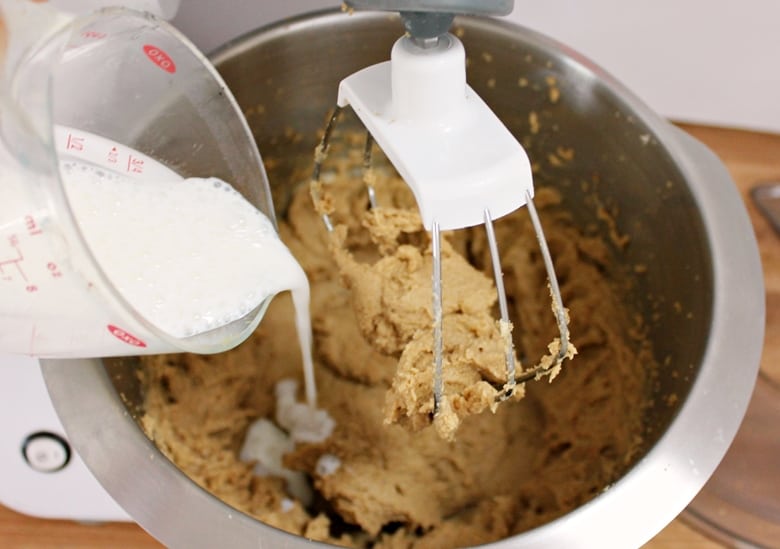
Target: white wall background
x=707, y=61
x=699, y=60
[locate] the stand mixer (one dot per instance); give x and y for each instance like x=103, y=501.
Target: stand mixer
x=185, y=515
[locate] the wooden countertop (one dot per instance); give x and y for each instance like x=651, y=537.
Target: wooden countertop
x=750, y=157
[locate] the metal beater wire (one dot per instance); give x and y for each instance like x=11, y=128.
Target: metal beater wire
x=502, y=305
x=437, y=319
x=555, y=291
x=322, y=151
x=367, y=169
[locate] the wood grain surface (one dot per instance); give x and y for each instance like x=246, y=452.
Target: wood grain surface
x=751, y=158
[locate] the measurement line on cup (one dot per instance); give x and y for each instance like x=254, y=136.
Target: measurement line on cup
x=13, y=241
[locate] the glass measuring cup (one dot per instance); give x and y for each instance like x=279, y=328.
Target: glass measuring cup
x=126, y=94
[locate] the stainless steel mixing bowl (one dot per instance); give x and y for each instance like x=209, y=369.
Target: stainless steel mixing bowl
x=702, y=293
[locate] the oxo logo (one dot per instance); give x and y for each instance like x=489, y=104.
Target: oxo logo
x=160, y=58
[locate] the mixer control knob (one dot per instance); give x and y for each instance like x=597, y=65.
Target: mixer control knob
x=46, y=452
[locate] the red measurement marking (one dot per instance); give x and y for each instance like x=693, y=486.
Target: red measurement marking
x=97, y=35
x=32, y=227
x=113, y=155
x=135, y=164
x=54, y=270
x=160, y=58
x=13, y=262
x=74, y=143
x=122, y=335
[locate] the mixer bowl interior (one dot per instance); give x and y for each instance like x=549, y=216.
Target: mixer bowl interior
x=285, y=79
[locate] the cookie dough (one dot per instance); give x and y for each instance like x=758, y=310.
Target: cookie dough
x=384, y=478
x=391, y=299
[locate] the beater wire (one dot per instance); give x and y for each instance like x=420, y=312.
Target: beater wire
x=504, y=324
x=319, y=157
x=368, y=177
x=437, y=319
x=555, y=293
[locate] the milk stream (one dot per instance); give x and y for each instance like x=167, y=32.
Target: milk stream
x=189, y=256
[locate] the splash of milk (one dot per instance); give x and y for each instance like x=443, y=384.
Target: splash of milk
x=267, y=442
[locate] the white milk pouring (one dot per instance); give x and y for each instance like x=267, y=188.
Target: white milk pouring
x=187, y=257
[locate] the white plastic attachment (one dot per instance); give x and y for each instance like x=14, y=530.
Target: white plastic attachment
x=456, y=155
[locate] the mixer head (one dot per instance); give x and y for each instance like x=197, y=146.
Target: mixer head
x=462, y=164
x=426, y=19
